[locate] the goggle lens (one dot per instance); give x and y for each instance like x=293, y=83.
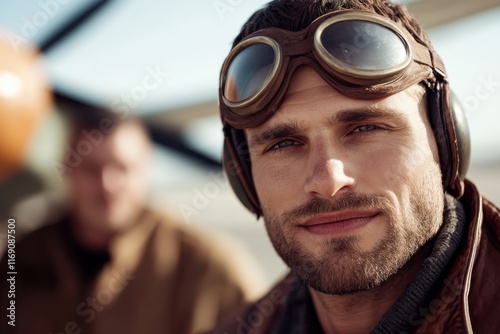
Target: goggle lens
x=248, y=72
x=363, y=45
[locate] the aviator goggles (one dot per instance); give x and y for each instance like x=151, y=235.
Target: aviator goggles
x=361, y=54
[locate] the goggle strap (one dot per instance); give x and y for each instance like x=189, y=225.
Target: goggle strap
x=296, y=48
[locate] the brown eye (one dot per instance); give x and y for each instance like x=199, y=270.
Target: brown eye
x=283, y=144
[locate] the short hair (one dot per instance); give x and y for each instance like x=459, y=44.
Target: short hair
x=295, y=15
x=106, y=123
x=84, y=115
x=86, y=118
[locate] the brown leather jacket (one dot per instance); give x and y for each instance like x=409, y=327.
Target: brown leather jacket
x=468, y=300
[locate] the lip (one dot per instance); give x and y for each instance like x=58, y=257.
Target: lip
x=339, y=222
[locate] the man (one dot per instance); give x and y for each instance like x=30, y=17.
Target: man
x=339, y=131
x=111, y=265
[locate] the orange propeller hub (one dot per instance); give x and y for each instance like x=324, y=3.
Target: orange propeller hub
x=25, y=99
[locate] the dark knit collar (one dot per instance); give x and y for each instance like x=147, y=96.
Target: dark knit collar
x=419, y=294
x=299, y=315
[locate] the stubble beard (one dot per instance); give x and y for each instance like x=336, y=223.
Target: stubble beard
x=344, y=269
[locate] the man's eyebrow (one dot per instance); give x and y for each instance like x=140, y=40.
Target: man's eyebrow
x=344, y=116
x=360, y=115
x=270, y=134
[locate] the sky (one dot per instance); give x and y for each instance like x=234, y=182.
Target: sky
x=112, y=53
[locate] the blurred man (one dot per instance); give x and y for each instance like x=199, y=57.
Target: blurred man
x=341, y=132
x=111, y=265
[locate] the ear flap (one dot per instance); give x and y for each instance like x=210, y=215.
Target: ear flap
x=237, y=165
x=462, y=135
x=451, y=131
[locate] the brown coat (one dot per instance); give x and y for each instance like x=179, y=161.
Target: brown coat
x=161, y=278
x=468, y=300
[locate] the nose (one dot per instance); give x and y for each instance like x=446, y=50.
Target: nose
x=327, y=175
x=110, y=180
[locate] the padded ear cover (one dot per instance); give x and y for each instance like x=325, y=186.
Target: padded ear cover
x=237, y=165
x=451, y=131
x=462, y=135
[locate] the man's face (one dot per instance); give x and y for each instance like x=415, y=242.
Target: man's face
x=350, y=189
x=109, y=187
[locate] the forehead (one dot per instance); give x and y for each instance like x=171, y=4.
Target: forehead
x=308, y=91
x=305, y=77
